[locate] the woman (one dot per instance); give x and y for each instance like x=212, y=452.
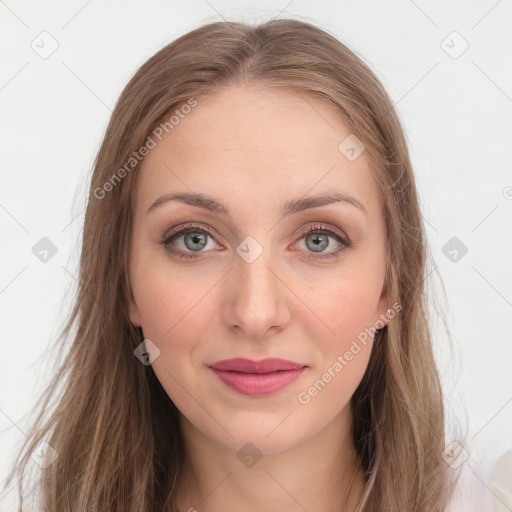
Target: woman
x=251, y=317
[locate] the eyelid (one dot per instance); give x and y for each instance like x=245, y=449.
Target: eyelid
x=320, y=226
x=341, y=237
x=184, y=228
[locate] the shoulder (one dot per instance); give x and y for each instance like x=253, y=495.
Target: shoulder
x=501, y=483
x=483, y=485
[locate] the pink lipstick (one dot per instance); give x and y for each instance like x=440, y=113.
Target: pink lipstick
x=257, y=377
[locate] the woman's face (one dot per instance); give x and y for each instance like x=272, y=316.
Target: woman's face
x=254, y=283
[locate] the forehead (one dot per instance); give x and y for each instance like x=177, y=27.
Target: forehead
x=242, y=142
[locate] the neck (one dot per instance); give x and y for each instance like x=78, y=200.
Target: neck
x=321, y=473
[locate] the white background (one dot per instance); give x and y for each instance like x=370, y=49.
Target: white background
x=455, y=111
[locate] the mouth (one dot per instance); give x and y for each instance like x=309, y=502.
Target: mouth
x=257, y=377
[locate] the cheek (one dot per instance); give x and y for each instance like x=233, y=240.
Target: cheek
x=346, y=305
x=342, y=352
x=168, y=301
x=343, y=341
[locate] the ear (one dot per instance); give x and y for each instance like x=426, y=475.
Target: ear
x=383, y=306
x=134, y=312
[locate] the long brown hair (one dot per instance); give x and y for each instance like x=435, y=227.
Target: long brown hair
x=113, y=426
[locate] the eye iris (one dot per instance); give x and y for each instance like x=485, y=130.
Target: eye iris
x=195, y=238
x=320, y=241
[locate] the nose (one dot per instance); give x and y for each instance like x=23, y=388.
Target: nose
x=256, y=304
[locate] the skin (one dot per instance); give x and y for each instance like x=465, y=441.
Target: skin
x=252, y=149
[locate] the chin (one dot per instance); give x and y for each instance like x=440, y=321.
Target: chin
x=269, y=435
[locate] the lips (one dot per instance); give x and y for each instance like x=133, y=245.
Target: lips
x=248, y=366
x=257, y=377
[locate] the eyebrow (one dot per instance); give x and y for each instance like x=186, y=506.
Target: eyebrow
x=289, y=207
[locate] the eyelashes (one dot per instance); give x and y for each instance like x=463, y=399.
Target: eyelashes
x=317, y=228
x=188, y=228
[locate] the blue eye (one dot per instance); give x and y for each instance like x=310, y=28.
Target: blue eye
x=316, y=238
x=195, y=239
